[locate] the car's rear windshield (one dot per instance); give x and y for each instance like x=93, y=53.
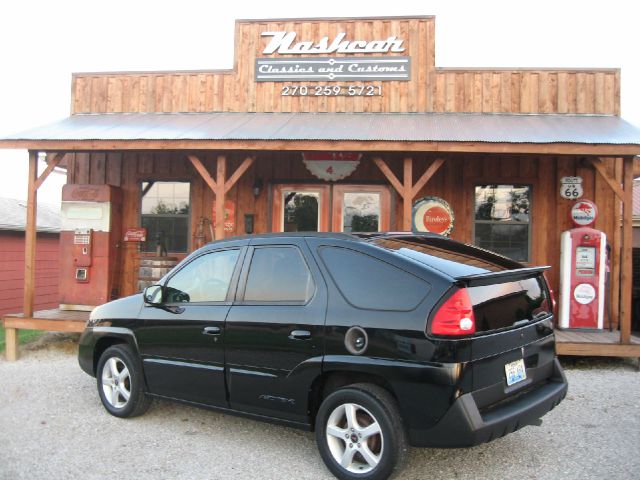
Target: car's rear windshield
x=450, y=257
x=503, y=305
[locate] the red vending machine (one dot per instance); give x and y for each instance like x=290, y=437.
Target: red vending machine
x=582, y=271
x=89, y=242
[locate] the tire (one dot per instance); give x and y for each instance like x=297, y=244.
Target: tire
x=349, y=443
x=120, y=382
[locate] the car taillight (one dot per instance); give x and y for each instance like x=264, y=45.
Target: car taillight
x=455, y=316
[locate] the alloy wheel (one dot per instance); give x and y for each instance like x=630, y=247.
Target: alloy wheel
x=116, y=382
x=354, y=438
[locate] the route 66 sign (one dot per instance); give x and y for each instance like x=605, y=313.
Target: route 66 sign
x=571, y=188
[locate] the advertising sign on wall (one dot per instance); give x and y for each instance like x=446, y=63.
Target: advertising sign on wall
x=584, y=213
x=433, y=215
x=315, y=61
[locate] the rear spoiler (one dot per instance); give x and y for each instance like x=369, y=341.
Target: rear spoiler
x=502, y=277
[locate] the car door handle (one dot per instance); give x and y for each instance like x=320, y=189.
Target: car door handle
x=300, y=335
x=211, y=331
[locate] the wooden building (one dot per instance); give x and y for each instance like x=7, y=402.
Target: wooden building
x=12, y=246
x=351, y=122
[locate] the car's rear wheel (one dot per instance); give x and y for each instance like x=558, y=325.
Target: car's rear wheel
x=120, y=383
x=359, y=433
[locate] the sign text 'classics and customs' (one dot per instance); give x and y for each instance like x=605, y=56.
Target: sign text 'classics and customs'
x=433, y=215
x=584, y=213
x=327, y=68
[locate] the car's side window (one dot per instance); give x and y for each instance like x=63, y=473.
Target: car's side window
x=205, y=279
x=371, y=284
x=278, y=274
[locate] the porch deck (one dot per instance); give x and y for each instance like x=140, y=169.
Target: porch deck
x=595, y=344
x=568, y=342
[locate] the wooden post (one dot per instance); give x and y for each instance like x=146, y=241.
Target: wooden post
x=407, y=196
x=11, y=350
x=220, y=186
x=30, y=237
x=408, y=190
x=627, y=246
x=220, y=196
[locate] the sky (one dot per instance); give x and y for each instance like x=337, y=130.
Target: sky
x=44, y=42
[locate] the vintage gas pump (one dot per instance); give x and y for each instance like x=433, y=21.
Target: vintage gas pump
x=88, y=245
x=582, y=271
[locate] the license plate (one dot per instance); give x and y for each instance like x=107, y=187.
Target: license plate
x=515, y=372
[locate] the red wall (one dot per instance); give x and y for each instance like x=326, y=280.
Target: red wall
x=12, y=271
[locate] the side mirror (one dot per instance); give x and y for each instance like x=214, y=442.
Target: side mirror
x=153, y=294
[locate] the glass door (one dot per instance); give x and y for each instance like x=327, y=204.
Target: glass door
x=331, y=208
x=300, y=208
x=361, y=208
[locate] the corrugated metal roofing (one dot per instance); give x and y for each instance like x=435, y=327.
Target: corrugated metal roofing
x=13, y=216
x=403, y=127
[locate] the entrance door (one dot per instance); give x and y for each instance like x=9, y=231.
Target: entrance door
x=361, y=208
x=301, y=208
x=331, y=208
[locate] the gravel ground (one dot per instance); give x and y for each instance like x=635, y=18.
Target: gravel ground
x=52, y=425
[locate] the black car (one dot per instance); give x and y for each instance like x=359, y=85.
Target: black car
x=375, y=341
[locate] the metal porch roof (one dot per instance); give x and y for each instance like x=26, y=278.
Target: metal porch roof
x=401, y=127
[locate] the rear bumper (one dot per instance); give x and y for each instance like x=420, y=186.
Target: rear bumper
x=465, y=425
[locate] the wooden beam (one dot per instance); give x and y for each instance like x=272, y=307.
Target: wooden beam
x=221, y=169
x=390, y=175
x=202, y=170
x=44, y=324
x=426, y=176
x=244, y=166
x=407, y=197
x=627, y=258
x=598, y=164
x=52, y=164
x=636, y=167
x=30, y=237
x=602, y=150
x=598, y=350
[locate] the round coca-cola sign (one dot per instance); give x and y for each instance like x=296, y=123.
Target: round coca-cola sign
x=584, y=213
x=433, y=215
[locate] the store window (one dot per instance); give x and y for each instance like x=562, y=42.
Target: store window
x=165, y=211
x=502, y=220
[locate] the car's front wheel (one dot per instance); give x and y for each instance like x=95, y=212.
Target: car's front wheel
x=120, y=383
x=360, y=434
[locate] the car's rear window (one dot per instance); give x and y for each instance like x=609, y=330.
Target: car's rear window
x=450, y=257
x=502, y=305
x=369, y=283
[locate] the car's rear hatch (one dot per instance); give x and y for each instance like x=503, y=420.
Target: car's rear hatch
x=512, y=310
x=514, y=327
